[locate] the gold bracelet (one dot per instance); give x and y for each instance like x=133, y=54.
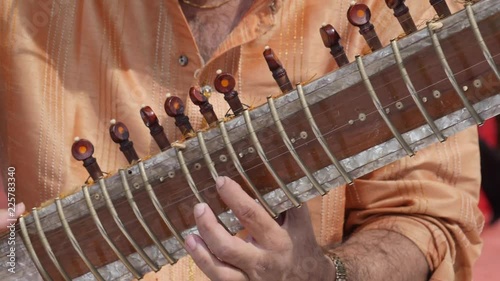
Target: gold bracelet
x=340, y=271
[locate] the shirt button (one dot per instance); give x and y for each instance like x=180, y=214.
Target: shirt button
x=183, y=60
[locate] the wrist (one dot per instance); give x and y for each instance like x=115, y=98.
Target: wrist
x=339, y=270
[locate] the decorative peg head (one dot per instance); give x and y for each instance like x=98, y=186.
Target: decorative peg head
x=329, y=35
x=196, y=96
x=82, y=150
x=175, y=108
x=331, y=39
x=359, y=15
x=276, y=67
x=118, y=131
x=119, y=134
x=155, y=129
x=224, y=83
x=148, y=116
x=206, y=109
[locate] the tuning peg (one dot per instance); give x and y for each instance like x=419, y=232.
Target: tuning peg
x=331, y=39
x=155, y=129
x=206, y=109
x=279, y=73
x=402, y=13
x=175, y=108
x=224, y=83
x=119, y=134
x=82, y=150
x=441, y=7
x=359, y=15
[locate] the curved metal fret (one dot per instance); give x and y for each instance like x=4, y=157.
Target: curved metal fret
x=291, y=149
x=413, y=92
x=239, y=168
x=157, y=205
x=105, y=235
x=31, y=250
x=73, y=241
x=192, y=185
x=319, y=136
x=480, y=40
x=121, y=226
x=141, y=220
x=206, y=156
x=263, y=157
x=450, y=76
x=380, y=109
x=46, y=245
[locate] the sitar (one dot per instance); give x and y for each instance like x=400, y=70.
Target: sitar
x=385, y=106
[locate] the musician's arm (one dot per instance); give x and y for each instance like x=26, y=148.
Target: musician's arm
x=382, y=255
x=430, y=200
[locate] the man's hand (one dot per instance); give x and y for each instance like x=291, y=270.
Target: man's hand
x=273, y=252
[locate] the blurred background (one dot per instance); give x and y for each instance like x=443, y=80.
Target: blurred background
x=486, y=268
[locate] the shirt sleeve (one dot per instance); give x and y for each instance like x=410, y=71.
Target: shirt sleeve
x=432, y=199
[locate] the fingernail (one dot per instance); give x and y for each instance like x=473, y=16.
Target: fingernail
x=219, y=182
x=199, y=209
x=190, y=243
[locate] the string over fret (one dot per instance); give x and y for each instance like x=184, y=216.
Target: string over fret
x=291, y=149
x=380, y=109
x=206, y=156
x=191, y=184
x=46, y=245
x=319, y=136
x=480, y=40
x=241, y=170
x=451, y=76
x=121, y=226
x=413, y=92
x=157, y=205
x=74, y=242
x=263, y=157
x=141, y=220
x=105, y=235
x=29, y=246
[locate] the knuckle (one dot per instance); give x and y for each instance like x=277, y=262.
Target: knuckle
x=246, y=214
x=224, y=252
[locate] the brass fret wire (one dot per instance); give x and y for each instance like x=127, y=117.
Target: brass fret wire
x=141, y=220
x=291, y=149
x=451, y=76
x=105, y=235
x=121, y=226
x=206, y=156
x=157, y=205
x=192, y=185
x=265, y=161
x=34, y=257
x=46, y=245
x=413, y=92
x=319, y=136
x=380, y=109
x=241, y=170
x=74, y=242
x=480, y=40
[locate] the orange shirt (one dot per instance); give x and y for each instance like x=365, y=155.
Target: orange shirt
x=68, y=67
